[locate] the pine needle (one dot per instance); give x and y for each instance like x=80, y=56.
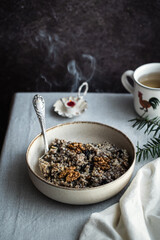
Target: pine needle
x=152, y=125
x=152, y=147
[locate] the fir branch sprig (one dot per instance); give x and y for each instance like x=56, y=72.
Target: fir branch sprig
x=152, y=125
x=152, y=147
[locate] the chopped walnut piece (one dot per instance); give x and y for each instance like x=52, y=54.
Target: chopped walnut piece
x=102, y=162
x=70, y=174
x=66, y=171
x=77, y=147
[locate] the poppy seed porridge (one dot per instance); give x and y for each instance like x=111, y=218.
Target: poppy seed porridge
x=79, y=165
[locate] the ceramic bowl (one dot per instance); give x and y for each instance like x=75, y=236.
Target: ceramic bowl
x=85, y=132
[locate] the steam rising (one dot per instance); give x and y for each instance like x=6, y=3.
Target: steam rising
x=51, y=44
x=93, y=64
x=46, y=81
x=53, y=49
x=76, y=72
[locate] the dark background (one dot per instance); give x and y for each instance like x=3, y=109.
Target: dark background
x=55, y=45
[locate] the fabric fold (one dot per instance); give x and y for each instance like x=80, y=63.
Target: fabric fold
x=136, y=216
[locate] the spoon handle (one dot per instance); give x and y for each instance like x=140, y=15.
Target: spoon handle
x=39, y=106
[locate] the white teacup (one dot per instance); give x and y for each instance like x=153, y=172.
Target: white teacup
x=145, y=89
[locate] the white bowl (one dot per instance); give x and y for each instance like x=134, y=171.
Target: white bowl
x=85, y=132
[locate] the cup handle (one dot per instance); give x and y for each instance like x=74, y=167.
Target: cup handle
x=125, y=82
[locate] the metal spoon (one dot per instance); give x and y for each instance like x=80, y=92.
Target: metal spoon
x=39, y=106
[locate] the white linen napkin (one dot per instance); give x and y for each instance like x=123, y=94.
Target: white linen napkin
x=136, y=216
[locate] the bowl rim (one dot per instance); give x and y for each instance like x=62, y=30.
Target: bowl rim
x=86, y=188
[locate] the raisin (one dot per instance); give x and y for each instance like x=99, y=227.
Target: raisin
x=120, y=153
x=87, y=153
x=82, y=169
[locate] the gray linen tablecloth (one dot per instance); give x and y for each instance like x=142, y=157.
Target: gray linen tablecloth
x=25, y=213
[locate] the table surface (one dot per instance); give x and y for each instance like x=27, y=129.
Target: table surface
x=25, y=212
